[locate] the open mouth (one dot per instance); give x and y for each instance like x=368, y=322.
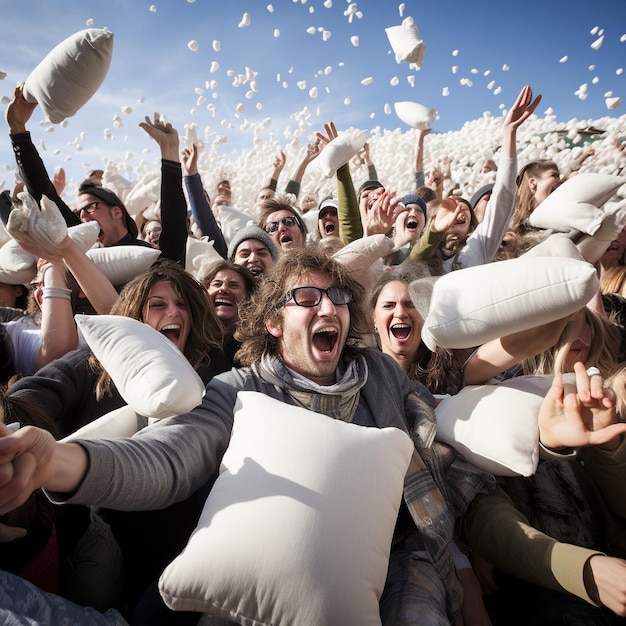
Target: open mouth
x=400, y=331
x=325, y=340
x=286, y=240
x=329, y=229
x=461, y=219
x=223, y=303
x=172, y=332
x=411, y=224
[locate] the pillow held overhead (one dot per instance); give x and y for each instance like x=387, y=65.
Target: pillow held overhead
x=339, y=151
x=122, y=263
x=415, y=115
x=297, y=528
x=70, y=73
x=152, y=375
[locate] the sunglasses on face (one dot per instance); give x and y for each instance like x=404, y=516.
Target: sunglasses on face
x=272, y=227
x=312, y=296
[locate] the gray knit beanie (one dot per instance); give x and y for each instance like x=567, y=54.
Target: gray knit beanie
x=251, y=232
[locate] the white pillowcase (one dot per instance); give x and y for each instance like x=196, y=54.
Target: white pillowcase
x=200, y=253
x=17, y=267
x=471, y=306
x=592, y=247
x=405, y=42
x=297, y=528
x=122, y=263
x=576, y=204
x=151, y=374
x=122, y=422
x=70, y=73
x=493, y=426
x=415, y=115
x=339, y=151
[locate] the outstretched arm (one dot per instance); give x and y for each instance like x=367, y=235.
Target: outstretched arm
x=419, y=157
x=312, y=150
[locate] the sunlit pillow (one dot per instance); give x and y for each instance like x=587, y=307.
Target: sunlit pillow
x=592, y=247
x=122, y=263
x=151, y=374
x=339, y=151
x=471, y=306
x=70, y=74
x=200, y=253
x=297, y=528
x=405, y=42
x=415, y=115
x=577, y=203
x=493, y=426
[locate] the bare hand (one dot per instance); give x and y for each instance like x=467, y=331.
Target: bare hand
x=19, y=111
x=164, y=134
x=331, y=133
x=383, y=213
x=189, y=158
x=279, y=161
x=58, y=180
x=523, y=108
x=572, y=416
x=609, y=575
x=447, y=214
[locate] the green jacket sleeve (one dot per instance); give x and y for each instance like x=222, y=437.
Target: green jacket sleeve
x=496, y=530
x=350, y=224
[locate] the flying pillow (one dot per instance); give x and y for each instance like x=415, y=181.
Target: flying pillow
x=577, y=203
x=494, y=426
x=405, y=42
x=297, y=528
x=151, y=374
x=415, y=115
x=70, y=74
x=471, y=306
x=339, y=151
x=122, y=263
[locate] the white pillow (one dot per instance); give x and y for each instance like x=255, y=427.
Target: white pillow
x=339, y=151
x=232, y=220
x=576, y=204
x=71, y=73
x=592, y=247
x=493, y=426
x=200, y=252
x=405, y=42
x=415, y=115
x=122, y=422
x=471, y=306
x=84, y=235
x=122, y=263
x=151, y=374
x=297, y=528
x=17, y=267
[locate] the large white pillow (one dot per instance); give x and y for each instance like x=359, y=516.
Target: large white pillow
x=297, y=528
x=122, y=422
x=471, y=306
x=122, y=263
x=17, y=267
x=151, y=374
x=70, y=73
x=232, y=220
x=493, y=426
x=576, y=204
x=339, y=151
x=405, y=42
x=414, y=114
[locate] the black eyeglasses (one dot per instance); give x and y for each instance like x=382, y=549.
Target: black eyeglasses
x=312, y=296
x=272, y=227
x=90, y=208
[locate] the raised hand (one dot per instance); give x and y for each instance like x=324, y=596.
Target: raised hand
x=164, y=134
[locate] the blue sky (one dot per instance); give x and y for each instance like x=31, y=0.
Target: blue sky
x=153, y=68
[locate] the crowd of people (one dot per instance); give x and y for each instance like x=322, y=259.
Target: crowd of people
x=318, y=302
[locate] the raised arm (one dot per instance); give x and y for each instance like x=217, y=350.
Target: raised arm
x=29, y=163
x=312, y=150
x=419, y=157
x=173, y=241
x=200, y=208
